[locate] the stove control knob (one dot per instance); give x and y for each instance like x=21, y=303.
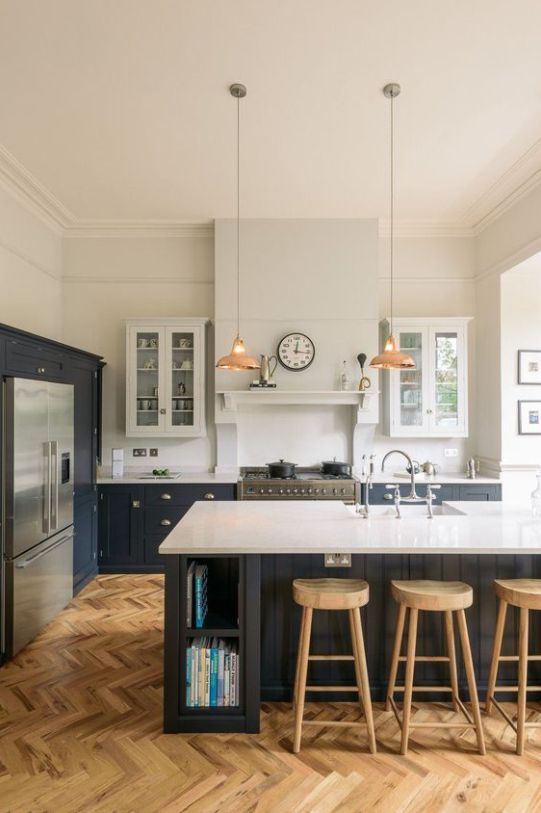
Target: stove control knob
x=288, y=491
x=335, y=491
x=295, y=491
x=342, y=491
x=309, y=491
x=281, y=491
x=316, y=491
x=323, y=490
x=269, y=491
x=261, y=490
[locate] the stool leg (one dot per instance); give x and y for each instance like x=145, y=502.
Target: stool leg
x=470, y=674
x=496, y=652
x=360, y=656
x=304, y=645
x=355, y=658
x=396, y=654
x=451, y=653
x=296, y=679
x=408, y=683
x=522, y=678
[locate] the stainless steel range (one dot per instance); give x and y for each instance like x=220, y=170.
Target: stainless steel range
x=306, y=484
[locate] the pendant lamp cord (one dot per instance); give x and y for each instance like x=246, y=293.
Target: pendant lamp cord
x=392, y=210
x=238, y=216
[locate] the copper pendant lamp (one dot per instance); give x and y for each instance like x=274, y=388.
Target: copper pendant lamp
x=238, y=359
x=391, y=358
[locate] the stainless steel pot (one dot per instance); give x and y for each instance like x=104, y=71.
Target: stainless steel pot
x=336, y=468
x=281, y=469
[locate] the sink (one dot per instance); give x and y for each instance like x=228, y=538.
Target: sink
x=414, y=511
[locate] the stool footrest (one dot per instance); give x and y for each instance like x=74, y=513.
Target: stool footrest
x=342, y=723
x=425, y=689
x=515, y=658
x=332, y=688
x=469, y=723
x=515, y=689
x=426, y=658
x=330, y=657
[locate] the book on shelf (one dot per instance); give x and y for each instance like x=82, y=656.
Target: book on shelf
x=212, y=673
x=201, y=603
x=189, y=594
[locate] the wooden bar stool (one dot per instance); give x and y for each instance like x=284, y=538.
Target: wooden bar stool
x=331, y=594
x=525, y=594
x=443, y=597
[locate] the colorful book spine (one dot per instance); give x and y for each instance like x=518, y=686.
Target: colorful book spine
x=189, y=676
x=221, y=659
x=214, y=675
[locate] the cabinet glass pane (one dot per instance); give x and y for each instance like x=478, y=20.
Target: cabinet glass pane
x=446, y=380
x=147, y=351
x=182, y=386
x=411, y=381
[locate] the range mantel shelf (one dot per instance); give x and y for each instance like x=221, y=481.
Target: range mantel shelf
x=232, y=400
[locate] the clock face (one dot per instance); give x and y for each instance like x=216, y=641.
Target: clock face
x=296, y=352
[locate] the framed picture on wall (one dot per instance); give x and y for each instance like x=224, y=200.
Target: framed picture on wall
x=529, y=417
x=529, y=366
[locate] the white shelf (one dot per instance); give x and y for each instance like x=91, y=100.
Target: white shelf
x=232, y=400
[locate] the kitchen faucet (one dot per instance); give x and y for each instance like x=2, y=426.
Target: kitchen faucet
x=412, y=496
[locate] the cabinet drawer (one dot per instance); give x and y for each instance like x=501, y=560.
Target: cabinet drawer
x=480, y=493
x=163, y=520
x=150, y=549
x=166, y=494
x=30, y=358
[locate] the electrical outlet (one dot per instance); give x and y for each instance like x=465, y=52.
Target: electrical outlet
x=153, y=452
x=139, y=452
x=337, y=560
x=450, y=452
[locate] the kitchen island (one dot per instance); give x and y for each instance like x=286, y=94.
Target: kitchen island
x=254, y=550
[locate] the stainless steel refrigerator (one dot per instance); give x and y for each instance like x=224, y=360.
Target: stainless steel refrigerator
x=38, y=507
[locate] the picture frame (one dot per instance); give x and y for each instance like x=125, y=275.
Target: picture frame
x=529, y=417
x=529, y=366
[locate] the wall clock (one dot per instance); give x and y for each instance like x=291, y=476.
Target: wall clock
x=296, y=351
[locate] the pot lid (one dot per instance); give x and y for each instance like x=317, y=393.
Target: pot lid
x=334, y=462
x=280, y=463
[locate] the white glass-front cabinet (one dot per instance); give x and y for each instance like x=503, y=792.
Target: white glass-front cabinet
x=165, y=377
x=432, y=399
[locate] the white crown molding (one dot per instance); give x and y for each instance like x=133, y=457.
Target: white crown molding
x=17, y=180
x=138, y=228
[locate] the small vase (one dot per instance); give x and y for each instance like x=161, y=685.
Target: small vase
x=536, y=498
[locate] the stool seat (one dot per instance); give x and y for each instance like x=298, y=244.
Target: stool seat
x=331, y=594
x=520, y=592
x=425, y=594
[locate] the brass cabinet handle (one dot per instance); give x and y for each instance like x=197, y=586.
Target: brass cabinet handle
x=136, y=504
x=162, y=411
x=208, y=496
x=165, y=496
x=40, y=370
x=165, y=522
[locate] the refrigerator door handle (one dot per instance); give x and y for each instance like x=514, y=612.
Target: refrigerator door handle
x=54, y=484
x=31, y=559
x=47, y=489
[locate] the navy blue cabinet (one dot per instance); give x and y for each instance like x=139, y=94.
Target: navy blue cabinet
x=133, y=521
x=449, y=492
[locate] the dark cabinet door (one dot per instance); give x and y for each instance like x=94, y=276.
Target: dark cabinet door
x=119, y=517
x=481, y=492
x=30, y=358
x=85, y=543
x=83, y=374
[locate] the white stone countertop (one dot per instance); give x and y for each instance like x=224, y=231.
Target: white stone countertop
x=325, y=527
x=444, y=479
x=131, y=478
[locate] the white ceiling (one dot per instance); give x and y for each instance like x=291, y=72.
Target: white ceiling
x=120, y=108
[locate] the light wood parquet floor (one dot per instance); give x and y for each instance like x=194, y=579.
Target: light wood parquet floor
x=81, y=730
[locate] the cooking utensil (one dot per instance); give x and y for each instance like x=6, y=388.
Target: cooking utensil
x=281, y=469
x=429, y=468
x=336, y=468
x=364, y=383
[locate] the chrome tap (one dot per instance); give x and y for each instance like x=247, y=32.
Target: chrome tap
x=430, y=497
x=412, y=496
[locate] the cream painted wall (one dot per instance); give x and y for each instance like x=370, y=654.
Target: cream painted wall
x=30, y=270
x=110, y=279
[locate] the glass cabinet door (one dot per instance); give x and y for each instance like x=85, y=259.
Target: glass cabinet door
x=182, y=389
x=410, y=410
x=448, y=397
x=147, y=378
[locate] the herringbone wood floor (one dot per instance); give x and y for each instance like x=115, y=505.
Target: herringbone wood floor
x=80, y=727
